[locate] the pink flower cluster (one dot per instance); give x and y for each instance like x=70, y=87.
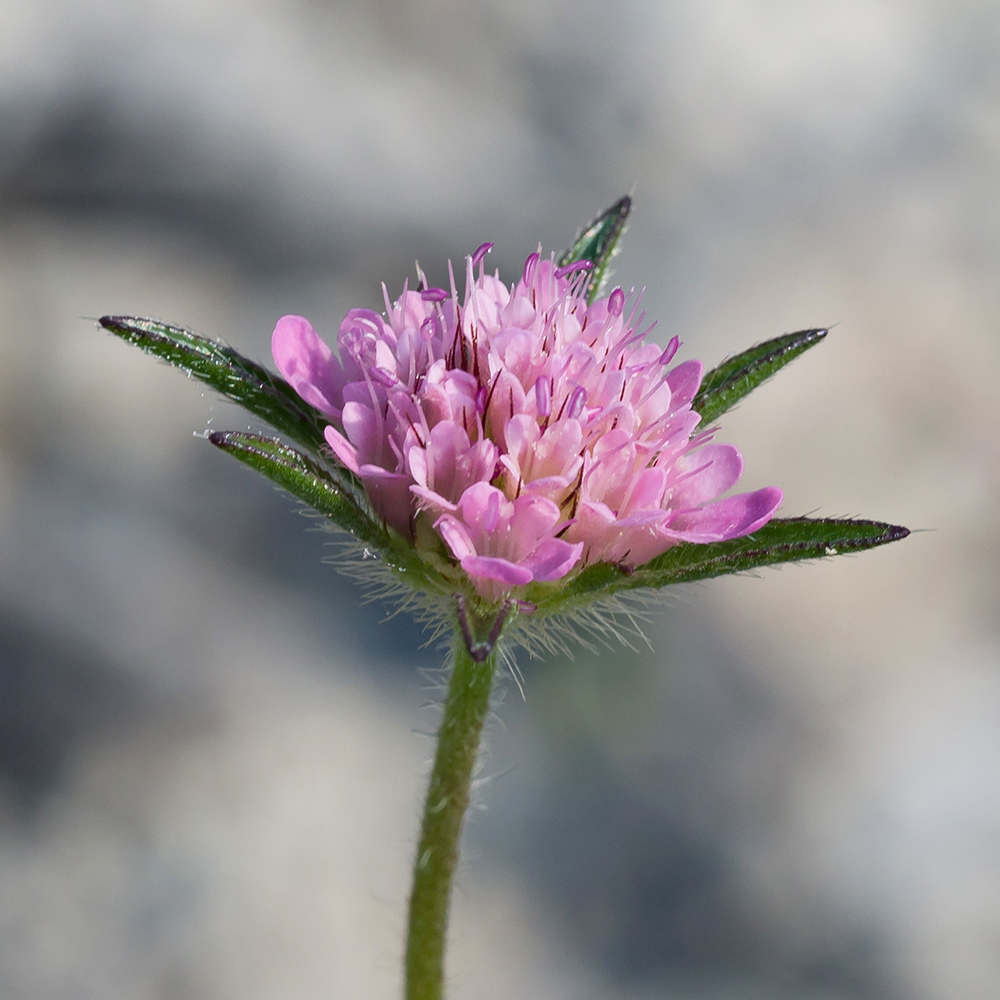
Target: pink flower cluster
x=532, y=432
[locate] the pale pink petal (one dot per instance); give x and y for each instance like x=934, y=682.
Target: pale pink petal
x=456, y=537
x=342, y=448
x=644, y=518
x=645, y=490
x=411, y=311
x=361, y=427
x=479, y=462
x=358, y=392
x=519, y=313
x=610, y=443
x=308, y=364
x=385, y=357
x=553, y=559
x=684, y=382
x=359, y=332
x=494, y=568
x=475, y=504
x=708, y=472
x=592, y=519
x=521, y=434
x=447, y=442
x=550, y=486
x=533, y=518
x=416, y=462
x=732, y=517
x=563, y=441
x=638, y=546
x=506, y=397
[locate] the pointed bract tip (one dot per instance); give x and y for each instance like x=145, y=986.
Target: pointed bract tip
x=113, y=323
x=221, y=439
x=622, y=206
x=615, y=216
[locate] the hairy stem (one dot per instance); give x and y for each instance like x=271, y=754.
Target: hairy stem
x=465, y=712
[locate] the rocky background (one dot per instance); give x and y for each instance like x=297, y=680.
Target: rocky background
x=211, y=756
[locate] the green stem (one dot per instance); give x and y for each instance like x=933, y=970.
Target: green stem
x=465, y=713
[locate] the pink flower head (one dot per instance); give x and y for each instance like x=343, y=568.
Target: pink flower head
x=533, y=432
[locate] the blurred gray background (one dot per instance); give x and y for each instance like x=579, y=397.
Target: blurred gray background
x=211, y=757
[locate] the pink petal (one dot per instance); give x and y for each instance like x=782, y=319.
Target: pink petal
x=684, y=381
x=712, y=469
x=456, y=536
x=638, y=546
x=596, y=528
x=518, y=313
x=560, y=445
x=308, y=364
x=506, y=397
x=342, y=448
x=357, y=392
x=730, y=518
x=476, y=501
x=533, y=518
x=593, y=519
x=385, y=357
x=547, y=486
x=642, y=518
x=611, y=442
x=439, y=461
x=479, y=461
x=493, y=568
x=360, y=426
x=645, y=490
x=552, y=559
x=492, y=518
x=521, y=433
x=416, y=462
